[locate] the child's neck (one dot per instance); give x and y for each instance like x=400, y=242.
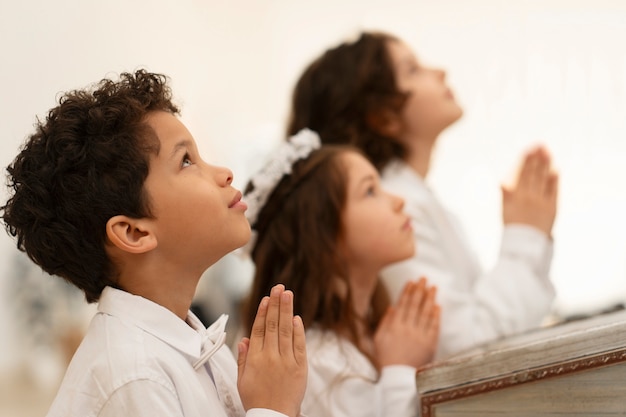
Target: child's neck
x=365, y=339
x=419, y=154
x=362, y=288
x=174, y=291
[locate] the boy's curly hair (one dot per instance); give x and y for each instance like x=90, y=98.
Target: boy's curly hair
x=86, y=163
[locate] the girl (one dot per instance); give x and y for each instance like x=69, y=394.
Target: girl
x=375, y=94
x=324, y=227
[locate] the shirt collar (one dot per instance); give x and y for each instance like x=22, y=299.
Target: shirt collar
x=156, y=320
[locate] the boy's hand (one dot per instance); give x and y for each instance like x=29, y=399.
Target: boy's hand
x=272, y=363
x=533, y=199
x=408, y=334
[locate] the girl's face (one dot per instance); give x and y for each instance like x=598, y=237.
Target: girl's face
x=376, y=231
x=430, y=106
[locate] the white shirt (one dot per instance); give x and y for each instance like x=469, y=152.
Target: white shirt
x=343, y=383
x=137, y=359
x=514, y=296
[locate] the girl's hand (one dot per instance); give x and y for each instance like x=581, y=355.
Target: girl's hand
x=408, y=334
x=272, y=363
x=533, y=199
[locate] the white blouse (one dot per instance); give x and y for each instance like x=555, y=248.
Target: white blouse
x=477, y=306
x=343, y=383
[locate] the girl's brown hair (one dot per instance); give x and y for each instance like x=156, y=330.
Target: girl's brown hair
x=297, y=245
x=343, y=93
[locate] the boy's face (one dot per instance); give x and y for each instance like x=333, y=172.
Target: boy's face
x=199, y=216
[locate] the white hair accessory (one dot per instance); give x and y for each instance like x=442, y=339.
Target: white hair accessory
x=280, y=164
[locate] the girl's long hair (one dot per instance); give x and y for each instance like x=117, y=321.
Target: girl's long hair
x=346, y=93
x=297, y=245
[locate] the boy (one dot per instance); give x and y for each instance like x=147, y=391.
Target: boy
x=111, y=194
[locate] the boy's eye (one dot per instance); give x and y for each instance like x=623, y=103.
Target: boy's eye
x=371, y=190
x=186, y=161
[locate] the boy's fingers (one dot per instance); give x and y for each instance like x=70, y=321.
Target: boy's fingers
x=285, y=325
x=272, y=318
x=299, y=341
x=242, y=348
x=257, y=334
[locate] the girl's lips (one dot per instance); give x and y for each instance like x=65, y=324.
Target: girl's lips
x=236, y=202
x=407, y=225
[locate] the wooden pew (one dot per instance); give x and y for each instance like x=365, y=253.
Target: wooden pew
x=577, y=368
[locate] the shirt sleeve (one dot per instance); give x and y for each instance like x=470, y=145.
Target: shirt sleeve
x=399, y=391
x=142, y=398
x=512, y=297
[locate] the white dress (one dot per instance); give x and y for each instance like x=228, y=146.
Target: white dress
x=137, y=359
x=343, y=383
x=477, y=306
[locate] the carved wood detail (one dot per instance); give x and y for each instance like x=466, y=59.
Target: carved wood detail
x=521, y=377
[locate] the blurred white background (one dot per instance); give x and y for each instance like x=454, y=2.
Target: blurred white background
x=550, y=71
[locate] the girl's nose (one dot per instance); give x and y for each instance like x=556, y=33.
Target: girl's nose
x=398, y=202
x=224, y=176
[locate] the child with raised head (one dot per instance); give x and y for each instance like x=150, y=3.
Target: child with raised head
x=111, y=194
x=323, y=227
x=375, y=94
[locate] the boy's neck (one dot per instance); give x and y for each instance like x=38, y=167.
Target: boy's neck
x=170, y=289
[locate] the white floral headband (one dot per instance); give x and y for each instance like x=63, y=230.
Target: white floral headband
x=265, y=180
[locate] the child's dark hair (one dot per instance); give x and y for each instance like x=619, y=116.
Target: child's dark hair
x=298, y=232
x=344, y=93
x=85, y=164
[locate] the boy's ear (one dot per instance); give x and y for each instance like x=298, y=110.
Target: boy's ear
x=385, y=122
x=131, y=235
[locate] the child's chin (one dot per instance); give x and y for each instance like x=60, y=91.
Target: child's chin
x=408, y=254
x=241, y=244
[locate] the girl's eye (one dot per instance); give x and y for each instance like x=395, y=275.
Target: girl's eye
x=371, y=190
x=186, y=161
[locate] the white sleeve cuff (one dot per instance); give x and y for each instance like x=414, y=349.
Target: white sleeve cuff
x=529, y=245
